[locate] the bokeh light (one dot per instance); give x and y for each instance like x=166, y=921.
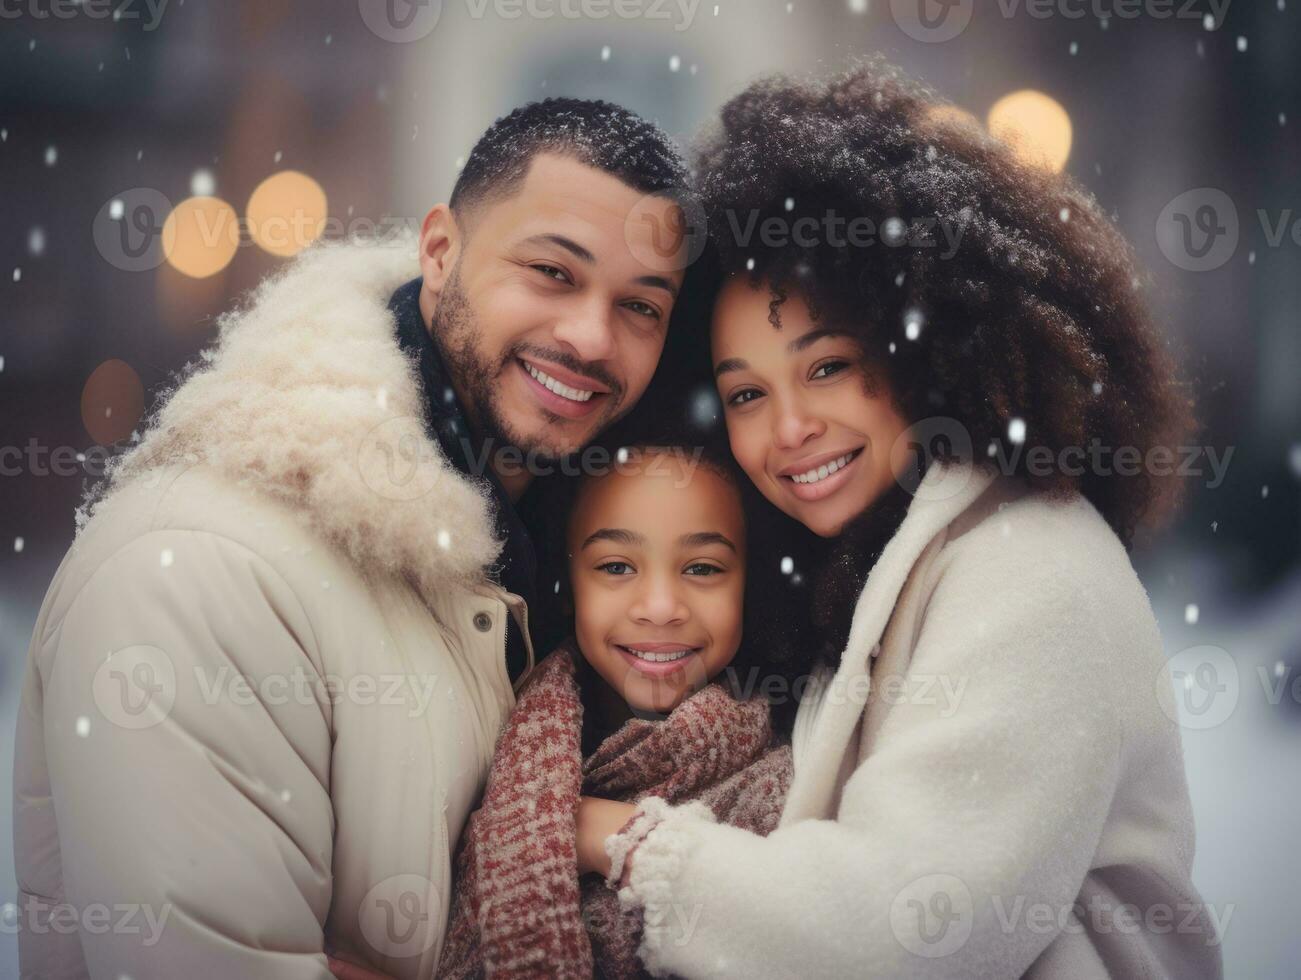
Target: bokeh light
x=200, y=236
x=287, y=213
x=1035, y=126
x=112, y=402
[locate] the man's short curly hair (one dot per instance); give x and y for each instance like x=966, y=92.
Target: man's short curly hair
x=1037, y=314
x=599, y=134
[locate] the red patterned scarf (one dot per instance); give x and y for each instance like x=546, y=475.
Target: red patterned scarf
x=520, y=909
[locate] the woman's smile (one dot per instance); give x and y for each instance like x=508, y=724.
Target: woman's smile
x=818, y=477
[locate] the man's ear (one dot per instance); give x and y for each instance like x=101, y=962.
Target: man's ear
x=440, y=246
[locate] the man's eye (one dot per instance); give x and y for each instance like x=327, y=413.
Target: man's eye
x=829, y=368
x=643, y=309
x=703, y=568
x=615, y=568
x=552, y=272
x=741, y=397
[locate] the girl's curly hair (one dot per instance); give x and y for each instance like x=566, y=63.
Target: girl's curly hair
x=1037, y=314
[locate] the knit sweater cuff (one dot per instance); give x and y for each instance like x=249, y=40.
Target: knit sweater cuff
x=661, y=835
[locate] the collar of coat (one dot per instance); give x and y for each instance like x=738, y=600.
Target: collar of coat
x=306, y=397
x=946, y=491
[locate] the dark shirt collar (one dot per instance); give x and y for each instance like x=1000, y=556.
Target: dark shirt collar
x=516, y=570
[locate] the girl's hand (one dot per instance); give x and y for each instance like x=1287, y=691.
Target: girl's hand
x=348, y=967
x=597, y=820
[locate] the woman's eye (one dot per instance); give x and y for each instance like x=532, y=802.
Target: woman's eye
x=552, y=272
x=741, y=397
x=615, y=568
x=829, y=368
x=703, y=568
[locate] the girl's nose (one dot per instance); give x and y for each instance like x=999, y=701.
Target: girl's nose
x=659, y=604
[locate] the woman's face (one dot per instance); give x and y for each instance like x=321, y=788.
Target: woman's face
x=803, y=422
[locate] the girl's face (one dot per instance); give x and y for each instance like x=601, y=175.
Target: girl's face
x=657, y=562
x=803, y=422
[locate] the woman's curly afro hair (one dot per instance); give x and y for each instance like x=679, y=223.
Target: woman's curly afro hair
x=1036, y=315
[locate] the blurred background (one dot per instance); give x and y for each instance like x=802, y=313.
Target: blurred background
x=157, y=159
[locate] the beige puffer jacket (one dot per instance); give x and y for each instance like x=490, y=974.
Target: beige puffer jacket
x=264, y=687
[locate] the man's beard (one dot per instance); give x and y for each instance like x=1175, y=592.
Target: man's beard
x=457, y=335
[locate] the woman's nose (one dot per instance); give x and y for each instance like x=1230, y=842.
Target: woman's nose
x=795, y=425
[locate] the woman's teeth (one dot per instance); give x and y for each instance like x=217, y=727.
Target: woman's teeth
x=550, y=383
x=658, y=658
x=824, y=471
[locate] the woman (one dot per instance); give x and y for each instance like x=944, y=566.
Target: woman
x=988, y=771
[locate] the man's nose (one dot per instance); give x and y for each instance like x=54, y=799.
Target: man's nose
x=588, y=332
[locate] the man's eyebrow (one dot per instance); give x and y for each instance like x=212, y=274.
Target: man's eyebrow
x=699, y=538
x=568, y=244
x=618, y=535
x=658, y=282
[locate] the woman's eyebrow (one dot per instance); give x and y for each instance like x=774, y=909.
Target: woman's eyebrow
x=699, y=538
x=730, y=364
x=794, y=347
x=618, y=535
x=811, y=338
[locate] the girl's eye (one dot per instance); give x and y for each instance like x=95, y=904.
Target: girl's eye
x=829, y=368
x=703, y=568
x=552, y=272
x=741, y=397
x=615, y=568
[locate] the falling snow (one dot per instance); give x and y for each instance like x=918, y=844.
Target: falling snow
x=1191, y=614
x=1016, y=431
x=203, y=183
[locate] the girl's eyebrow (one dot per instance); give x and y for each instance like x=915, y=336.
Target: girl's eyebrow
x=699, y=538
x=618, y=535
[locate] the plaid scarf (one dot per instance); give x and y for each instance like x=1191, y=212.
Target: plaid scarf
x=520, y=908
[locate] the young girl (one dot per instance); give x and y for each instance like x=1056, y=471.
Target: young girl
x=626, y=709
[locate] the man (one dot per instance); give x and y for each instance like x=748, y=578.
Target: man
x=265, y=684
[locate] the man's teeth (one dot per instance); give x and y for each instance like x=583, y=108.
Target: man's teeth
x=564, y=391
x=658, y=658
x=824, y=471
